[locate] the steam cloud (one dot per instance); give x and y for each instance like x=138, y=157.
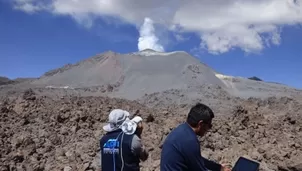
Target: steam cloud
x=221, y=25
x=148, y=39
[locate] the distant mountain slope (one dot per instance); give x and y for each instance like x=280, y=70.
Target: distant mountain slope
x=133, y=75
x=5, y=80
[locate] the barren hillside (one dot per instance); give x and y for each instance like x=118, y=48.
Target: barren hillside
x=132, y=76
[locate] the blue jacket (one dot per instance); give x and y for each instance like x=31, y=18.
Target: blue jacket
x=181, y=152
x=116, y=152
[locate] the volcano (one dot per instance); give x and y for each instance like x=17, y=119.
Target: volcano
x=135, y=74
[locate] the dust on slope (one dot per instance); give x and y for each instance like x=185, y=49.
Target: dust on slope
x=133, y=74
x=99, y=70
x=40, y=133
x=245, y=88
x=161, y=72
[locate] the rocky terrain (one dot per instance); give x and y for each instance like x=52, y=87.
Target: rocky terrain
x=41, y=133
x=54, y=122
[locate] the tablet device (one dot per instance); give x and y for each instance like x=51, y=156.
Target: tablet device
x=244, y=164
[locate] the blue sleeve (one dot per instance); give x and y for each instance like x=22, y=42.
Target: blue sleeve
x=197, y=162
x=193, y=156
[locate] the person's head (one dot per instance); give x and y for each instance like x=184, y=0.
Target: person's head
x=200, y=118
x=116, y=119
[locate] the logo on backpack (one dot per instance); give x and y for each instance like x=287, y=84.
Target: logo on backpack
x=111, y=146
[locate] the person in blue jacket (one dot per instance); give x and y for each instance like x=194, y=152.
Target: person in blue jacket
x=181, y=148
x=121, y=147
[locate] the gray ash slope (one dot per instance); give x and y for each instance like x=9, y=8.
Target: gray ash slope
x=135, y=74
x=149, y=75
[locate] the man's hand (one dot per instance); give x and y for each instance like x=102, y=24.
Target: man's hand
x=226, y=167
x=139, y=130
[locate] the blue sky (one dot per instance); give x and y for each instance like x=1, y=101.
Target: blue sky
x=33, y=43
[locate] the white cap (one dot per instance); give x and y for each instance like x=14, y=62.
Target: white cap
x=137, y=119
x=116, y=119
x=129, y=126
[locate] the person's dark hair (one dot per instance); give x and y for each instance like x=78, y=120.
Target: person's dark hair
x=199, y=112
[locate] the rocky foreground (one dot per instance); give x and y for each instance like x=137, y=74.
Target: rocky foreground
x=39, y=133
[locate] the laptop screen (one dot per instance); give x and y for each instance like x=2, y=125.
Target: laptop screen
x=244, y=164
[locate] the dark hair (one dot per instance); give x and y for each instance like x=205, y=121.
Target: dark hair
x=199, y=112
